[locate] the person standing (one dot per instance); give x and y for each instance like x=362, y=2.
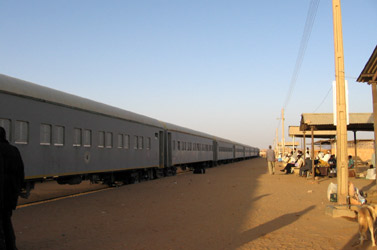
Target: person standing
x=270, y=156
x=13, y=181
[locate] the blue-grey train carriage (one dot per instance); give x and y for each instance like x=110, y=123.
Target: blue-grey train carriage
x=69, y=138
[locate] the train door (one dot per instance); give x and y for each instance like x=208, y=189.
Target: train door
x=168, y=151
x=161, y=149
x=214, y=149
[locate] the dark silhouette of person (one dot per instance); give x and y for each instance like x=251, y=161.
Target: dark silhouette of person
x=2, y=236
x=14, y=175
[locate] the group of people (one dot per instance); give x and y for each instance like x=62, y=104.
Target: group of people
x=11, y=183
x=296, y=159
x=293, y=160
x=303, y=162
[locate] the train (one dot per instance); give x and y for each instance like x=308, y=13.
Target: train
x=69, y=139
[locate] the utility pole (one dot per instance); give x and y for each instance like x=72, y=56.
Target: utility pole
x=277, y=142
x=341, y=115
x=282, y=133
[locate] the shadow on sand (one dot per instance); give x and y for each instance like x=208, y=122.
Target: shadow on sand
x=271, y=226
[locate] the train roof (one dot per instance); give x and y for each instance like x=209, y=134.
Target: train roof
x=27, y=89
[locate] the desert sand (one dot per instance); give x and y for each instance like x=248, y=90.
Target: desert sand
x=237, y=206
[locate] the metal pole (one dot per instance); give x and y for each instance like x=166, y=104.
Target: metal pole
x=341, y=128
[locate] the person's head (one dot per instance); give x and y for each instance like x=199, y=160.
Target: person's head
x=2, y=134
x=350, y=157
x=269, y=147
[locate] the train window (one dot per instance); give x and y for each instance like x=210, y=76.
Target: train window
x=179, y=145
x=126, y=141
x=22, y=132
x=59, y=136
x=148, y=143
x=45, y=134
x=87, y=138
x=77, y=137
x=5, y=123
x=135, y=142
x=120, y=141
x=141, y=142
x=109, y=140
x=101, y=139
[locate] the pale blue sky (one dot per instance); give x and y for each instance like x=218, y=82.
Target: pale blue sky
x=220, y=67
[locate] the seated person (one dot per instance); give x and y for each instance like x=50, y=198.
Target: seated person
x=355, y=197
x=289, y=166
x=351, y=163
x=326, y=157
x=332, y=162
x=300, y=162
x=306, y=167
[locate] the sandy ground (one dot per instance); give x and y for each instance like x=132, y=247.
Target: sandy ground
x=235, y=207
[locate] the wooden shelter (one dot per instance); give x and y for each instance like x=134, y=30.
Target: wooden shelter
x=294, y=131
x=369, y=75
x=325, y=122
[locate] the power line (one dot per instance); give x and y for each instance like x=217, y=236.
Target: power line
x=328, y=92
x=313, y=7
x=312, y=12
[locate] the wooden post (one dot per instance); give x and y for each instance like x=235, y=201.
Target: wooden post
x=277, y=142
x=374, y=95
x=355, y=142
x=294, y=143
x=341, y=128
x=312, y=129
x=282, y=133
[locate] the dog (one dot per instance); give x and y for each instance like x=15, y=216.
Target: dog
x=366, y=217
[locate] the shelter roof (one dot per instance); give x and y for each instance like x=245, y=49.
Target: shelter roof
x=369, y=72
x=325, y=121
x=296, y=132
x=289, y=144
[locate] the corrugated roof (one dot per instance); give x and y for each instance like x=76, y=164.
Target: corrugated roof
x=369, y=72
x=325, y=121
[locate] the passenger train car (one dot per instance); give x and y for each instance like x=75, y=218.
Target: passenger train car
x=69, y=139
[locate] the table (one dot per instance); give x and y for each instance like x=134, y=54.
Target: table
x=324, y=170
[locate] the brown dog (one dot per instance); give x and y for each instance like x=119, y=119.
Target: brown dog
x=367, y=217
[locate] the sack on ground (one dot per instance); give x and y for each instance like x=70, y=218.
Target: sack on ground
x=331, y=189
x=371, y=174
